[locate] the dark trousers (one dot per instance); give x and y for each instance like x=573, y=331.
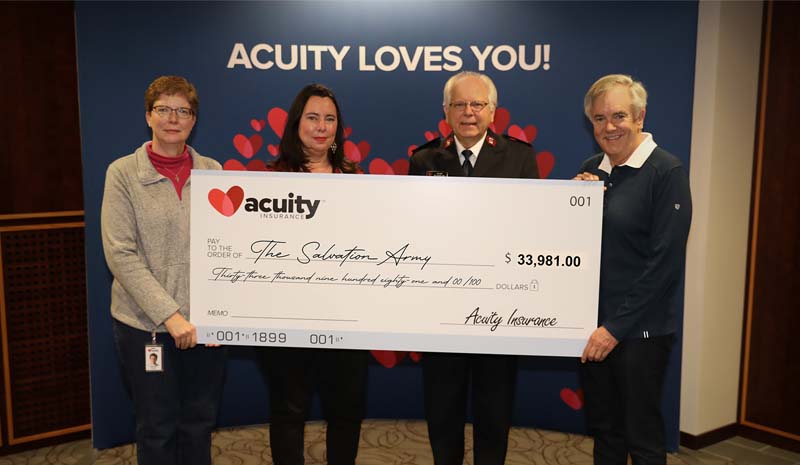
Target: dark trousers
x=623, y=402
x=341, y=376
x=176, y=410
x=447, y=379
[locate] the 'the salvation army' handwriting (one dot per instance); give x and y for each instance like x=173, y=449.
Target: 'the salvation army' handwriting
x=315, y=251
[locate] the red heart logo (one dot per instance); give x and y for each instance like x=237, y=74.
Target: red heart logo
x=444, y=128
x=400, y=166
x=430, y=135
x=234, y=165
x=273, y=150
x=415, y=356
x=379, y=166
x=347, y=132
x=545, y=162
x=257, y=124
x=573, y=399
x=501, y=119
x=247, y=147
x=411, y=149
x=226, y=202
x=277, y=120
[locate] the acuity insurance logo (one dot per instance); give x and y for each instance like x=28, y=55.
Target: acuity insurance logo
x=290, y=207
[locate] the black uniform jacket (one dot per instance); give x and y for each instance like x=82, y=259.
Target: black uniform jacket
x=500, y=157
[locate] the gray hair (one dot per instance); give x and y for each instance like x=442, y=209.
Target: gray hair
x=448, y=86
x=606, y=83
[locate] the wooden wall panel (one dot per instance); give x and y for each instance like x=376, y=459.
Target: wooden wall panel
x=40, y=154
x=771, y=373
x=45, y=388
x=44, y=331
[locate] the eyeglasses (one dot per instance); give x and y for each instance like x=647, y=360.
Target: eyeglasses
x=475, y=105
x=164, y=111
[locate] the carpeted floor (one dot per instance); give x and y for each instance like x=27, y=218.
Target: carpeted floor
x=383, y=442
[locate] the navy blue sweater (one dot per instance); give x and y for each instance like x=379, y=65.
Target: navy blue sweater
x=646, y=216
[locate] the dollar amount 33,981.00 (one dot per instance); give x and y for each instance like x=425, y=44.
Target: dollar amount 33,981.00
x=573, y=261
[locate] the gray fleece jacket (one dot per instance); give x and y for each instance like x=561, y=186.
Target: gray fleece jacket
x=145, y=229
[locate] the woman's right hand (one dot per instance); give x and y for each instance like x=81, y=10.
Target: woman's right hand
x=183, y=332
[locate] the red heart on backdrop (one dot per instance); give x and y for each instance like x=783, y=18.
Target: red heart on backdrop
x=356, y=152
x=364, y=148
x=273, y=150
x=430, y=135
x=400, y=166
x=277, y=120
x=545, y=162
x=379, y=166
x=444, y=128
x=388, y=358
x=247, y=147
x=256, y=165
x=347, y=132
x=528, y=134
x=411, y=149
x=257, y=124
x=226, y=202
x=517, y=133
x=501, y=119
x=351, y=151
x=573, y=399
x=531, y=131
x=234, y=165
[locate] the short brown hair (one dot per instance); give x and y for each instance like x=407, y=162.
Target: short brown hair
x=170, y=85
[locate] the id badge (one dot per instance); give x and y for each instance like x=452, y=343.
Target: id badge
x=153, y=358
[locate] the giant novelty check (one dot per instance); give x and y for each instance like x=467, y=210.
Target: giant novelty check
x=438, y=264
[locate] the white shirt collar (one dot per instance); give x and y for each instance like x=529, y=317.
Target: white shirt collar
x=637, y=158
x=475, y=149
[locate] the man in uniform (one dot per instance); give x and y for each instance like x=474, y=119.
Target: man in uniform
x=470, y=100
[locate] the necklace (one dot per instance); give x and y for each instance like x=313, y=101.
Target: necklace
x=177, y=175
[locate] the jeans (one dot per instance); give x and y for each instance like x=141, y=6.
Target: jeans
x=176, y=409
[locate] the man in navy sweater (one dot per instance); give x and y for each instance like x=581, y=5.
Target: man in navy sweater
x=646, y=217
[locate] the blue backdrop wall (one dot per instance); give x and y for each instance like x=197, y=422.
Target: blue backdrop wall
x=387, y=62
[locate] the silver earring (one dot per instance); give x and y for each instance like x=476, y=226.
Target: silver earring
x=333, y=147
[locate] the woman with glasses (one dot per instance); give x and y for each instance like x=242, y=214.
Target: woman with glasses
x=145, y=231
x=312, y=143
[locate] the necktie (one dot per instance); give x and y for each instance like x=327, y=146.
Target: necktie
x=467, y=166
